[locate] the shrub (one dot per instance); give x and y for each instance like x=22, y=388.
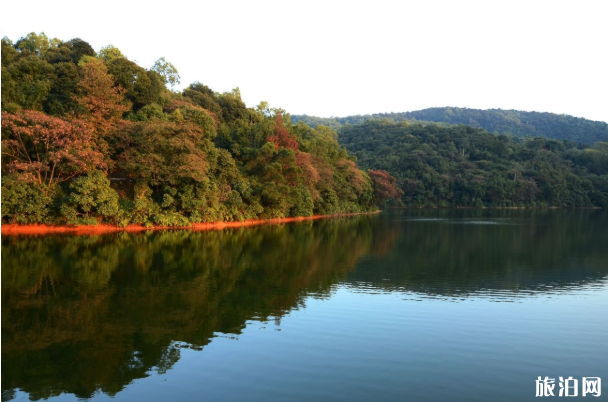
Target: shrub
x=24, y=202
x=91, y=197
x=170, y=218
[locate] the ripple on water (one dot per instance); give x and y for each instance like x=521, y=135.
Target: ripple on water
x=463, y=221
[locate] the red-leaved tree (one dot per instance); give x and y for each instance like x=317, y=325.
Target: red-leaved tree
x=384, y=186
x=281, y=137
x=47, y=150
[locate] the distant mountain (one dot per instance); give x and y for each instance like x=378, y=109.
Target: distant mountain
x=515, y=122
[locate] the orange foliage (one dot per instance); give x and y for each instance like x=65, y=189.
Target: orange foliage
x=324, y=170
x=384, y=186
x=355, y=176
x=304, y=162
x=101, y=103
x=46, y=149
x=281, y=137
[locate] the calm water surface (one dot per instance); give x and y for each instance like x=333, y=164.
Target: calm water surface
x=407, y=305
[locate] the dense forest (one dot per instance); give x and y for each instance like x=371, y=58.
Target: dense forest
x=498, y=121
x=467, y=166
x=92, y=136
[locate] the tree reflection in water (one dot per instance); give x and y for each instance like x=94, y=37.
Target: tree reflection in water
x=88, y=313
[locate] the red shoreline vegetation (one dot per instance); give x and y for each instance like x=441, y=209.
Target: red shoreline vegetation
x=41, y=229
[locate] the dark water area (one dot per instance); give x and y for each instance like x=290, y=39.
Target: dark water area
x=421, y=305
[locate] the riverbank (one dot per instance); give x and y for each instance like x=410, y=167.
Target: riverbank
x=17, y=229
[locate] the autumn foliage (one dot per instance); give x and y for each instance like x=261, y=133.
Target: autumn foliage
x=281, y=137
x=48, y=150
x=88, y=139
x=384, y=186
x=101, y=103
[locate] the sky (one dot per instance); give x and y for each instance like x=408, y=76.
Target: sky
x=336, y=58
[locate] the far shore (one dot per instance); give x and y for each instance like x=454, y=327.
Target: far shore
x=412, y=207
x=41, y=229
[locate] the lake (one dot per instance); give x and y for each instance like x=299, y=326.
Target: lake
x=420, y=305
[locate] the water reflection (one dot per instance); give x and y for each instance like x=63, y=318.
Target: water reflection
x=486, y=252
x=89, y=313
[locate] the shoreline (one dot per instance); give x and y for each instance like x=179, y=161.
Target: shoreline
x=12, y=229
x=590, y=208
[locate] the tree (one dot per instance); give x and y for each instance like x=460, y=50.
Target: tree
x=233, y=107
x=164, y=153
x=90, y=195
x=37, y=44
x=100, y=102
x=64, y=87
x=204, y=97
x=281, y=137
x=167, y=71
x=141, y=87
x=26, y=82
x=24, y=202
x=48, y=150
x=110, y=53
x=71, y=51
x=384, y=186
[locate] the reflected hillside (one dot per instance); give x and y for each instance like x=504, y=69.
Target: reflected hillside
x=82, y=314
x=98, y=312
x=454, y=253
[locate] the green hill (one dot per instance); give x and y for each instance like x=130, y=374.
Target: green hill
x=515, y=122
x=466, y=166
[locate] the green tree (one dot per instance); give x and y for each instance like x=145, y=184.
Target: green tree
x=109, y=53
x=90, y=197
x=23, y=202
x=167, y=71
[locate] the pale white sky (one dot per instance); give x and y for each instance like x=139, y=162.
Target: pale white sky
x=330, y=58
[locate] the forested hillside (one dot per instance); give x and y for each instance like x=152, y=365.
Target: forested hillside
x=466, y=166
x=517, y=123
x=92, y=136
